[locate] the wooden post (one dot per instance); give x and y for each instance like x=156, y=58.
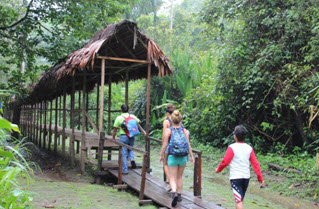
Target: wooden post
x=50, y=126
x=64, y=123
x=143, y=177
x=100, y=156
x=97, y=105
x=126, y=87
x=87, y=110
x=79, y=115
x=83, y=147
x=109, y=156
x=79, y=125
x=59, y=119
x=72, y=139
x=120, y=161
x=37, y=126
x=40, y=132
x=198, y=175
x=60, y=115
x=147, y=140
x=56, y=127
x=102, y=96
x=33, y=122
x=45, y=124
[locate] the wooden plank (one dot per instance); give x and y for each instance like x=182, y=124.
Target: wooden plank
x=122, y=59
x=185, y=194
x=144, y=202
x=152, y=191
x=91, y=122
x=120, y=186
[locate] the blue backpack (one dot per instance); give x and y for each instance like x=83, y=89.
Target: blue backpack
x=178, y=144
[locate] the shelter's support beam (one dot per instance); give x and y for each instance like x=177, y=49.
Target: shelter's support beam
x=55, y=149
x=41, y=123
x=45, y=123
x=147, y=140
x=109, y=156
x=97, y=105
x=37, y=125
x=60, y=118
x=79, y=119
x=109, y=106
x=126, y=87
x=50, y=126
x=123, y=59
x=127, y=49
x=33, y=122
x=87, y=110
x=141, y=41
x=64, y=123
x=72, y=139
x=83, y=147
x=102, y=95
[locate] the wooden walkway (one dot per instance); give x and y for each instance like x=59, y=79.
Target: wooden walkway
x=156, y=190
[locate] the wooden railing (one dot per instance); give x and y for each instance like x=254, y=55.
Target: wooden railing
x=120, y=174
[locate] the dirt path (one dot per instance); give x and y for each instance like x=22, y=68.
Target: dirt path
x=60, y=186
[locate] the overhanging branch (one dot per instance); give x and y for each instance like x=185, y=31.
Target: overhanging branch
x=19, y=21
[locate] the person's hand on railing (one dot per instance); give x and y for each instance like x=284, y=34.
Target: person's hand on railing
x=191, y=160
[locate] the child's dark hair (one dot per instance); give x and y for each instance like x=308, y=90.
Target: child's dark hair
x=241, y=132
x=124, y=108
x=169, y=108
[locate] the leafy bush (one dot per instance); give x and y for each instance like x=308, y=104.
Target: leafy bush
x=13, y=167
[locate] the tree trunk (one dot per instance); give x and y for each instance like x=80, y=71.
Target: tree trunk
x=16, y=118
x=299, y=127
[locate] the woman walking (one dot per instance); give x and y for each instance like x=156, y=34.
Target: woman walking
x=167, y=123
x=177, y=140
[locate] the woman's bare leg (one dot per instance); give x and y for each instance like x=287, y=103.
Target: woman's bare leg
x=179, y=182
x=173, y=177
x=166, y=167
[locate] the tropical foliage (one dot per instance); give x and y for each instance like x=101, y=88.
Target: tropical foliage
x=13, y=168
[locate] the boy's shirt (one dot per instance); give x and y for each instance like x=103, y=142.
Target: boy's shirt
x=238, y=156
x=120, y=119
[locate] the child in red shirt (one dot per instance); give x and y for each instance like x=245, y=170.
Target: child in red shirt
x=238, y=156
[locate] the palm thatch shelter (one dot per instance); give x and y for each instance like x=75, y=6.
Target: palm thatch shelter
x=118, y=53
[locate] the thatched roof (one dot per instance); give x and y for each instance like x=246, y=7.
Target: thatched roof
x=123, y=40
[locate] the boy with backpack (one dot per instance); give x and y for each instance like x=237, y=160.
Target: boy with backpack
x=177, y=140
x=127, y=124
x=238, y=156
